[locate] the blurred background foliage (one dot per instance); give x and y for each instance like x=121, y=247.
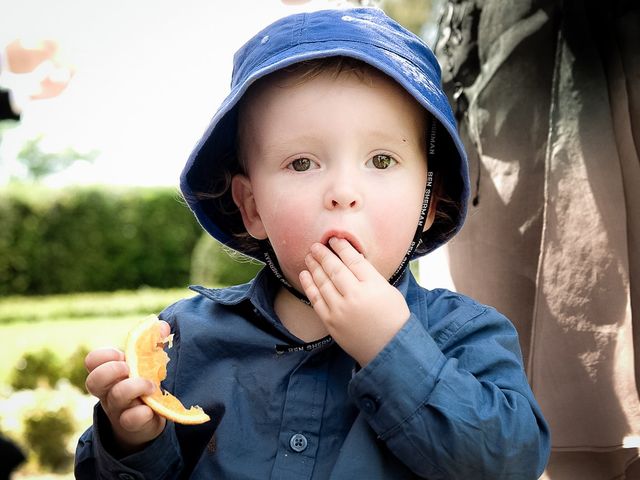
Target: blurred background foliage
x=39, y=163
x=214, y=264
x=412, y=14
x=93, y=239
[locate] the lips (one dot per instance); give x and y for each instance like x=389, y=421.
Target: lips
x=345, y=235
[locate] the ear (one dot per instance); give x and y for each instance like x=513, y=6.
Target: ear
x=242, y=193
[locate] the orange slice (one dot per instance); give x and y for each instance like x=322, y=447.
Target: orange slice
x=146, y=358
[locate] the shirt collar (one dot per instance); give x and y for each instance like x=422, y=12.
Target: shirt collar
x=262, y=290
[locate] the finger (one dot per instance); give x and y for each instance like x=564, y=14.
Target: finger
x=126, y=393
x=165, y=329
x=313, y=294
x=137, y=417
x=324, y=283
x=102, y=355
x=105, y=376
x=352, y=259
x=334, y=268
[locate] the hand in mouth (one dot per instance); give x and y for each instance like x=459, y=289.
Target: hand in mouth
x=343, y=235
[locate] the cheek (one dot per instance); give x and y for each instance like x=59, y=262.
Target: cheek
x=290, y=236
x=393, y=233
x=395, y=215
x=288, y=227
x=395, y=227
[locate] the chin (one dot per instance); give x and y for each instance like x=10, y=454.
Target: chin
x=292, y=275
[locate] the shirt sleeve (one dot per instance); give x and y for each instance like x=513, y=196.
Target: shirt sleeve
x=159, y=460
x=459, y=407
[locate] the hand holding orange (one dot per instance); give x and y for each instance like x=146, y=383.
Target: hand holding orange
x=146, y=358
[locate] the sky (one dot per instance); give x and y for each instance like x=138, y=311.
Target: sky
x=149, y=75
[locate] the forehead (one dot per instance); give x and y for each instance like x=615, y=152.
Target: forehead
x=275, y=92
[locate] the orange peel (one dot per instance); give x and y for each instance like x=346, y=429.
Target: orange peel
x=146, y=358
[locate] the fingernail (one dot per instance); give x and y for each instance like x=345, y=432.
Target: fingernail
x=333, y=241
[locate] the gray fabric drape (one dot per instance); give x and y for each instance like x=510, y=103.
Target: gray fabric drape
x=547, y=95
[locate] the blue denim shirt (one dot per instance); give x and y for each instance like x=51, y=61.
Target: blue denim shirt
x=447, y=398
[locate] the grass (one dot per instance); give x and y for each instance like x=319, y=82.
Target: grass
x=61, y=336
x=63, y=323
x=86, y=305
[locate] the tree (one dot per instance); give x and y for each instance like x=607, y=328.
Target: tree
x=412, y=14
x=41, y=163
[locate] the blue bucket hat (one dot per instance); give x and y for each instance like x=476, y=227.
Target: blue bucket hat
x=366, y=34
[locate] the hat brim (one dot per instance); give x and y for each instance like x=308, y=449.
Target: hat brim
x=217, y=146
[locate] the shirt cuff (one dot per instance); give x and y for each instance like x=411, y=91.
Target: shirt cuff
x=158, y=460
x=399, y=379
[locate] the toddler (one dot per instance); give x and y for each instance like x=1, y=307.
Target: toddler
x=335, y=159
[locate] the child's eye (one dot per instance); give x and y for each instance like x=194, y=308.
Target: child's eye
x=301, y=164
x=381, y=161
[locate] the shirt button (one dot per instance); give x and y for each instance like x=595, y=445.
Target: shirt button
x=298, y=442
x=368, y=405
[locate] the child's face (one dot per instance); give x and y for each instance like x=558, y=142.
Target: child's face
x=327, y=157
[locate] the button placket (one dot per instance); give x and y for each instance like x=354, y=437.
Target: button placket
x=301, y=418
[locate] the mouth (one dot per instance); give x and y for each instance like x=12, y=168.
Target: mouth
x=344, y=235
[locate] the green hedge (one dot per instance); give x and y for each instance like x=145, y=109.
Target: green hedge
x=93, y=239
x=214, y=264
x=69, y=306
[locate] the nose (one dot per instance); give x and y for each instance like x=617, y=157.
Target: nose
x=343, y=194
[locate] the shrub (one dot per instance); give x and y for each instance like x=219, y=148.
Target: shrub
x=47, y=434
x=45, y=368
x=214, y=264
x=35, y=369
x=75, y=370
x=93, y=239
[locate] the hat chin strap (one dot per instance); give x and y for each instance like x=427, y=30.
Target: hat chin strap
x=274, y=267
